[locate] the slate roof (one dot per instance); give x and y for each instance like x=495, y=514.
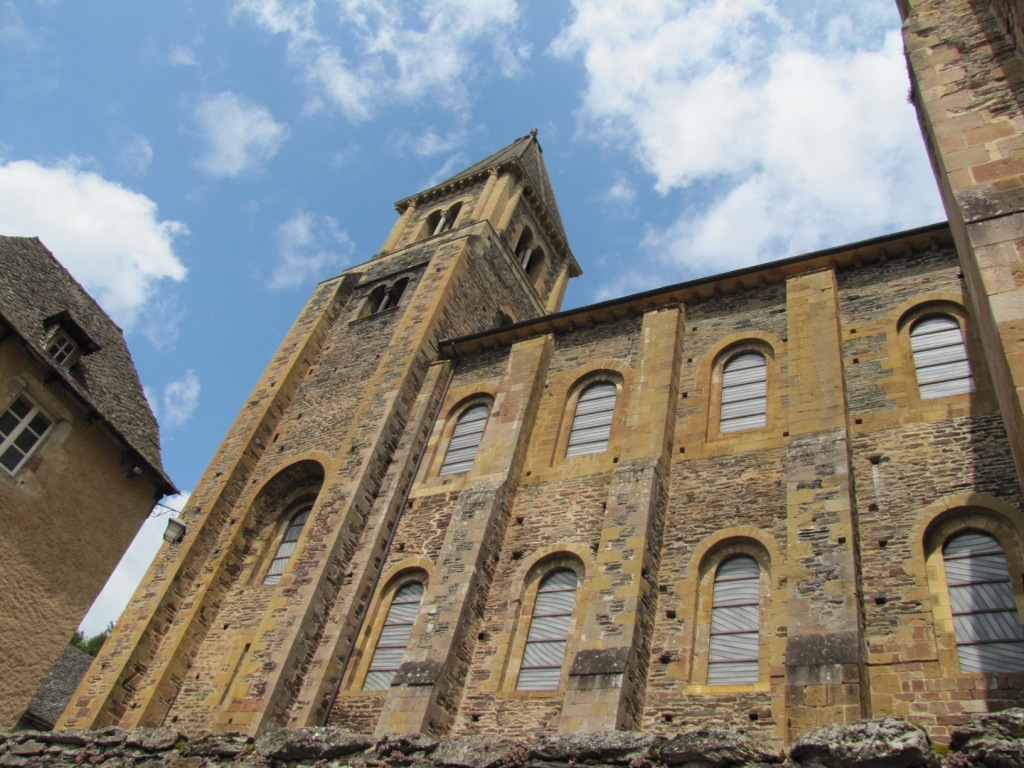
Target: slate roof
x=57, y=688
x=34, y=287
x=528, y=152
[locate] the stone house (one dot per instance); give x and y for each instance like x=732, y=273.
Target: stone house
x=783, y=496
x=79, y=462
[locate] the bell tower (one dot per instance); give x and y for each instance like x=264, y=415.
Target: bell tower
x=245, y=625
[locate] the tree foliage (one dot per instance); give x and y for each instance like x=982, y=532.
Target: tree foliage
x=91, y=645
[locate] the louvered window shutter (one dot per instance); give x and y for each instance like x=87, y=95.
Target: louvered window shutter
x=541, y=669
x=592, y=422
x=988, y=631
x=940, y=357
x=744, y=393
x=287, y=546
x=465, y=440
x=394, y=637
x=735, y=623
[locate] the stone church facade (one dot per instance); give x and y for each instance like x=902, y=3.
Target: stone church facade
x=780, y=497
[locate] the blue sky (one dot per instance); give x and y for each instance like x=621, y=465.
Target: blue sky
x=199, y=166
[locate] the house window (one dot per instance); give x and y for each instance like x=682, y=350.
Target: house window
x=744, y=393
x=546, y=641
x=394, y=637
x=286, y=547
x=735, y=623
x=61, y=348
x=592, y=422
x=22, y=427
x=940, y=357
x=465, y=442
x=988, y=630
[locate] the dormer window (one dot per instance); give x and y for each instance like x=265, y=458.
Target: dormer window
x=62, y=349
x=65, y=341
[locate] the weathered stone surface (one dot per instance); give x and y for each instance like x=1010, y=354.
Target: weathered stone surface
x=715, y=747
x=479, y=752
x=406, y=743
x=74, y=736
x=311, y=743
x=217, y=745
x=885, y=743
x=28, y=748
x=995, y=740
x=606, y=747
x=154, y=739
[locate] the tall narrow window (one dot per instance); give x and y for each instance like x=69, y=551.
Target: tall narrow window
x=544, y=654
x=394, y=637
x=735, y=623
x=592, y=422
x=465, y=440
x=286, y=547
x=22, y=427
x=524, y=249
x=940, y=357
x=988, y=631
x=744, y=393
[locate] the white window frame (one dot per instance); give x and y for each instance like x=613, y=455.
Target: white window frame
x=941, y=364
x=734, y=643
x=591, y=426
x=394, y=636
x=62, y=348
x=14, y=439
x=464, y=444
x=549, y=637
x=744, y=392
x=286, y=548
x=983, y=602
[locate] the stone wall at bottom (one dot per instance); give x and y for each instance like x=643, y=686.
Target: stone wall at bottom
x=989, y=741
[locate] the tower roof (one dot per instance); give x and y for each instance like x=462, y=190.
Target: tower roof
x=528, y=152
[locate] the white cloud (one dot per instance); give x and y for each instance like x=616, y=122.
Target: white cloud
x=122, y=583
x=108, y=236
x=180, y=400
x=310, y=246
x=182, y=56
x=394, y=51
x=135, y=155
x=795, y=136
x=241, y=136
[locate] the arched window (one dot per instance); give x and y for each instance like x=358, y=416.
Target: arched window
x=394, y=637
x=465, y=442
x=544, y=653
x=940, y=357
x=441, y=221
x=744, y=393
x=287, y=546
x=524, y=248
x=735, y=623
x=592, y=422
x=531, y=258
x=988, y=631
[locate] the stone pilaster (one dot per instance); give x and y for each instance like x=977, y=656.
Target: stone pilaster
x=425, y=693
x=824, y=673
x=608, y=676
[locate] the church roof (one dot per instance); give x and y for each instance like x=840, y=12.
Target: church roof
x=528, y=152
x=36, y=292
